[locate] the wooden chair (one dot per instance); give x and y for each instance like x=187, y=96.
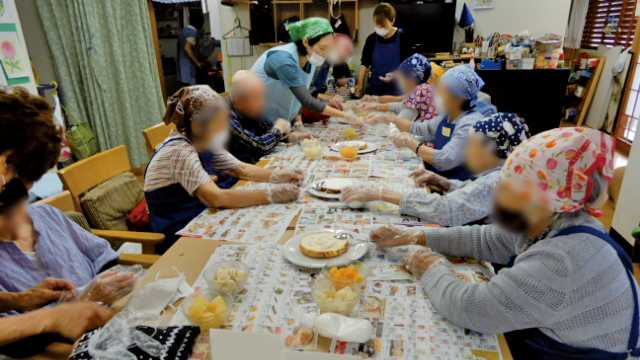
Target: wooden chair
x=64, y=202
x=88, y=173
x=156, y=134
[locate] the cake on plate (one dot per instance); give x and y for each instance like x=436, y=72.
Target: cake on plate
x=323, y=245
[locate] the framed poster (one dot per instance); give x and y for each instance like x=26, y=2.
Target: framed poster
x=13, y=55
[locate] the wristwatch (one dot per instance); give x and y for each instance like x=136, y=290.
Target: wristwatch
x=419, y=146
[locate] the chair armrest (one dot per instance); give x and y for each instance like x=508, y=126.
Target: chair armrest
x=146, y=260
x=148, y=239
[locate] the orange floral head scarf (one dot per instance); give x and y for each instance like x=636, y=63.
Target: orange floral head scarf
x=556, y=167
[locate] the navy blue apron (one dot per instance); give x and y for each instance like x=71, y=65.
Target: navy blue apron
x=444, y=132
x=386, y=58
x=534, y=344
x=224, y=181
x=171, y=208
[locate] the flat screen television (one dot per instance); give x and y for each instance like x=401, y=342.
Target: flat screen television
x=429, y=24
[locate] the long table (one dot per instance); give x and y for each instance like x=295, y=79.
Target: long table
x=191, y=255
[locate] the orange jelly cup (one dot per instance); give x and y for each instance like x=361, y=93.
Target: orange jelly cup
x=349, y=152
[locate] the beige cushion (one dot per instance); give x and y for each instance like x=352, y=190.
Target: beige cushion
x=78, y=218
x=107, y=205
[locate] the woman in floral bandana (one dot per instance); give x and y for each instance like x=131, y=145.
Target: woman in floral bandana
x=568, y=291
x=417, y=104
x=178, y=185
x=461, y=202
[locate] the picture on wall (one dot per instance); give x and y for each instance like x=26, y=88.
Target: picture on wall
x=13, y=56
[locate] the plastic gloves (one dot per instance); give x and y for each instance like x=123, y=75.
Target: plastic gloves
x=404, y=140
x=380, y=118
x=390, y=236
x=428, y=178
x=109, y=287
x=357, y=196
x=336, y=102
x=286, y=176
x=283, y=193
x=420, y=261
x=283, y=126
x=355, y=121
x=297, y=136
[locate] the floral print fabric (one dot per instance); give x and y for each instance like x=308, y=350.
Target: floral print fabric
x=506, y=130
x=421, y=100
x=416, y=66
x=556, y=167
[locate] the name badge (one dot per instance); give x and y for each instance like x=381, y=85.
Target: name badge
x=446, y=131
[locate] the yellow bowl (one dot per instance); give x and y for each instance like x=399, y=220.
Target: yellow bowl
x=349, y=152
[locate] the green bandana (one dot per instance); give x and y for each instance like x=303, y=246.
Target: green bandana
x=309, y=28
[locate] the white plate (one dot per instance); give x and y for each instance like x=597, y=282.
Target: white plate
x=339, y=183
x=357, y=144
x=291, y=252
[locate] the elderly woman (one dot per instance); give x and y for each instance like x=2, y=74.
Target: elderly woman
x=39, y=241
x=288, y=70
x=413, y=75
x=177, y=185
x=441, y=142
x=462, y=202
x=569, y=291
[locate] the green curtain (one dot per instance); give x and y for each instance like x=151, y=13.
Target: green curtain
x=106, y=64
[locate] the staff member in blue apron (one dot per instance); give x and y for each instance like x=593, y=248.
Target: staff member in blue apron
x=441, y=141
x=569, y=292
x=382, y=53
x=176, y=184
x=288, y=70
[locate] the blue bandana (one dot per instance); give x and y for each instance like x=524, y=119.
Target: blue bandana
x=417, y=67
x=463, y=82
x=506, y=130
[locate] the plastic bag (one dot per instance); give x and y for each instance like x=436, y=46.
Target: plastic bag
x=342, y=328
x=114, y=339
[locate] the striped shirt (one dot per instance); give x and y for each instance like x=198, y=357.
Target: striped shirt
x=252, y=139
x=177, y=162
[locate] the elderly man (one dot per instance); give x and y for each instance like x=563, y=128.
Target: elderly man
x=253, y=136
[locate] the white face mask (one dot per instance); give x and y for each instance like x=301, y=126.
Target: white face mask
x=334, y=57
x=219, y=141
x=439, y=104
x=315, y=59
x=381, y=31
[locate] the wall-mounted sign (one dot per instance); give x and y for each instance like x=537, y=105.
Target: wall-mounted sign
x=483, y=4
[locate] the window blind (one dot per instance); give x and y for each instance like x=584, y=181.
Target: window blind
x=609, y=23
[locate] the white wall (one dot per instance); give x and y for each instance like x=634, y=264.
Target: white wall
x=513, y=16
x=627, y=213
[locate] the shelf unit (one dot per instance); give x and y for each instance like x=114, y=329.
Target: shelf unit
x=284, y=9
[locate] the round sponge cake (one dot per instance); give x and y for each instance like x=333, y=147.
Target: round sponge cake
x=322, y=245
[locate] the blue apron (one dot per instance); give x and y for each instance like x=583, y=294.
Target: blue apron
x=386, y=58
x=534, y=344
x=224, y=181
x=281, y=103
x=171, y=208
x=444, y=132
